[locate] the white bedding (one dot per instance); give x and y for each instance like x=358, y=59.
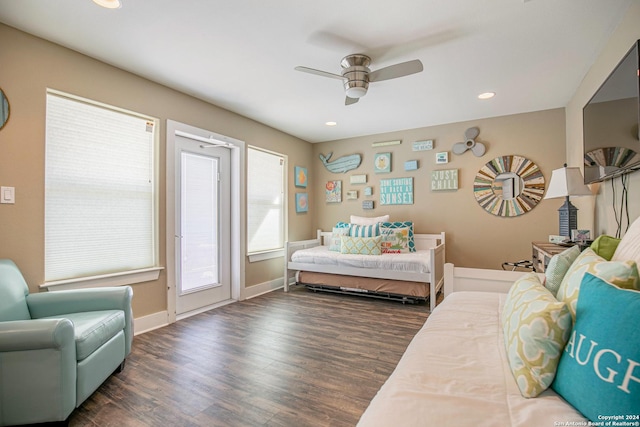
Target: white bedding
x=455, y=373
x=417, y=262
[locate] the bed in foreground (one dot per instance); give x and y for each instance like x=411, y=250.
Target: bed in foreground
x=512, y=349
x=408, y=277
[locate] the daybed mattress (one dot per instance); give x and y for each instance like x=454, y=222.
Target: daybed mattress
x=455, y=373
x=384, y=286
x=416, y=262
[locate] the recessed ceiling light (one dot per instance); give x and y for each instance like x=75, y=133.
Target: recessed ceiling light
x=486, y=95
x=331, y=123
x=109, y=4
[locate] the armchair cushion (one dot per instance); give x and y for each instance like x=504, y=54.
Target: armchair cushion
x=13, y=292
x=94, y=328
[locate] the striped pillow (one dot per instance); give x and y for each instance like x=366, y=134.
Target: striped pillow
x=365, y=230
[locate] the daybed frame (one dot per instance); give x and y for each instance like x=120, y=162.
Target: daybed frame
x=435, y=243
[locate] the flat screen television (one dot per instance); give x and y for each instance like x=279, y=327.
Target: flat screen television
x=610, y=122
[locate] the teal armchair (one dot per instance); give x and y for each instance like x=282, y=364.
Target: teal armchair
x=56, y=348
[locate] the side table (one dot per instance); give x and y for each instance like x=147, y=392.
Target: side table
x=542, y=253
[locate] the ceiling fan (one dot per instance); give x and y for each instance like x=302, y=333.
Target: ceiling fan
x=356, y=74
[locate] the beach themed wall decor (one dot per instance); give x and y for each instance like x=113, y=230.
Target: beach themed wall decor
x=302, y=202
x=396, y=191
x=341, y=164
x=300, y=176
x=382, y=163
x=333, y=191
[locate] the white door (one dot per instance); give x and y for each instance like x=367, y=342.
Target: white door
x=203, y=215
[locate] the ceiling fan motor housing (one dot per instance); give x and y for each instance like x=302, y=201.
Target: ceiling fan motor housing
x=355, y=69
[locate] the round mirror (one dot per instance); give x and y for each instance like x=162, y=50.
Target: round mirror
x=509, y=186
x=4, y=109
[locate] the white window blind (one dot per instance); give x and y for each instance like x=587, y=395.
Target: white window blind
x=99, y=190
x=265, y=200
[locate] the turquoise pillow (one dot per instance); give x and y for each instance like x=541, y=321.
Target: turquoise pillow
x=364, y=230
x=599, y=371
x=411, y=243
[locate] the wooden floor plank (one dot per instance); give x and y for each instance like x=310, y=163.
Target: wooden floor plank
x=281, y=359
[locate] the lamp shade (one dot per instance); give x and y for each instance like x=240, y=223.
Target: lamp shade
x=566, y=182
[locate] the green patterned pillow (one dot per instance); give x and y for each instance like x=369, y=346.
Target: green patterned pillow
x=361, y=245
x=536, y=328
x=623, y=274
x=558, y=267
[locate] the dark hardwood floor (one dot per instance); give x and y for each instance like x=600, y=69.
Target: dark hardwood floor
x=280, y=359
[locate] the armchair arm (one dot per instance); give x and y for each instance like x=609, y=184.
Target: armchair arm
x=24, y=335
x=59, y=303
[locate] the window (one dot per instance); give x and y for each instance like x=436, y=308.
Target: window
x=265, y=201
x=100, y=190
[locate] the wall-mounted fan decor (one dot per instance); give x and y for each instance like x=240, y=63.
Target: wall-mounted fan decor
x=470, y=143
x=356, y=74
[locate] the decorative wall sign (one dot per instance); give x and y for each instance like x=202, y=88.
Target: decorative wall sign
x=367, y=204
x=411, y=165
x=520, y=177
x=302, y=202
x=368, y=191
x=382, y=163
x=352, y=195
x=385, y=143
x=341, y=164
x=442, y=157
x=396, y=191
x=358, y=179
x=300, y=176
x=444, y=180
x=333, y=190
x=422, y=145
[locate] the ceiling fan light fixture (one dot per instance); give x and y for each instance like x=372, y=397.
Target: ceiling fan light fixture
x=109, y=4
x=356, y=92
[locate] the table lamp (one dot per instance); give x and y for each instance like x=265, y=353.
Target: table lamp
x=566, y=182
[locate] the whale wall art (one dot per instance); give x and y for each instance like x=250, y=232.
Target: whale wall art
x=341, y=164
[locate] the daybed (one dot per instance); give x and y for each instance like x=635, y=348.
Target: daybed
x=408, y=277
x=457, y=370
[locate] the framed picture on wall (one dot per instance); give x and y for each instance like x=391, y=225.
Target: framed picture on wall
x=382, y=163
x=333, y=191
x=300, y=176
x=302, y=202
x=442, y=157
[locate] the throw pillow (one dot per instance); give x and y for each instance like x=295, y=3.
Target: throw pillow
x=536, y=327
x=341, y=224
x=360, y=245
x=394, y=240
x=558, y=267
x=605, y=246
x=363, y=220
x=365, y=230
x=336, y=241
x=629, y=246
x=411, y=243
x=599, y=371
x=623, y=274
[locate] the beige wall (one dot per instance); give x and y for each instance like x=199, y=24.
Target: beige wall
x=475, y=238
x=597, y=213
x=30, y=66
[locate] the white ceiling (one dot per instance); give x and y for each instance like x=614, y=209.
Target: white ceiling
x=241, y=54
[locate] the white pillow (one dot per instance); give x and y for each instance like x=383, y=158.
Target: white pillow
x=363, y=220
x=629, y=247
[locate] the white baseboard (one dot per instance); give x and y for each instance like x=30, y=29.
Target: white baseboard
x=262, y=288
x=150, y=322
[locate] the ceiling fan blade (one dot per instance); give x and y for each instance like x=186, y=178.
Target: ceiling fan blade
x=397, y=70
x=478, y=149
x=349, y=101
x=459, y=148
x=319, y=73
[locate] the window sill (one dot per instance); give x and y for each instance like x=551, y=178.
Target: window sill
x=114, y=279
x=261, y=256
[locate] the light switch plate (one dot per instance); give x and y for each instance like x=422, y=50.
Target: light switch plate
x=7, y=195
